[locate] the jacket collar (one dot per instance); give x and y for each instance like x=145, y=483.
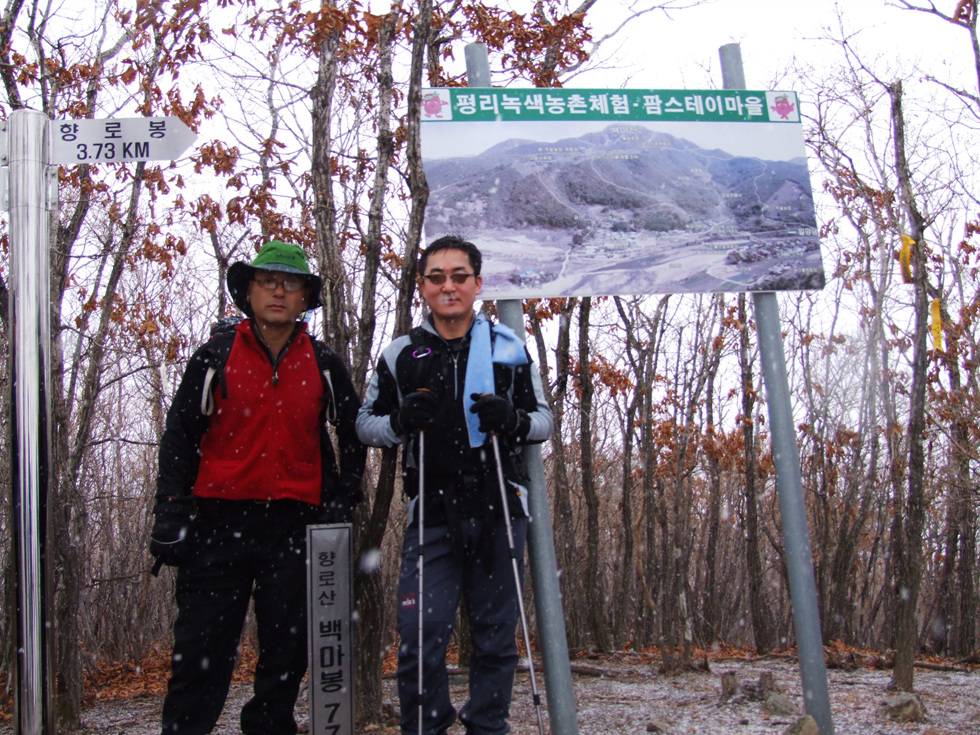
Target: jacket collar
x=428, y=327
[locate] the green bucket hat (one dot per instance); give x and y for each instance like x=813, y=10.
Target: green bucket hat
x=275, y=255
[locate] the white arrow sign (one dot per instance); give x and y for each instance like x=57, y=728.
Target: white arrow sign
x=119, y=139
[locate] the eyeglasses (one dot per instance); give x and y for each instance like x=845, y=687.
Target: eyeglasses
x=270, y=281
x=437, y=279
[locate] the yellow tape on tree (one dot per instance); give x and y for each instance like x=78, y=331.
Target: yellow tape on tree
x=937, y=324
x=905, y=257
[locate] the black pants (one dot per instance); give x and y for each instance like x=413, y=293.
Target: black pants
x=241, y=550
x=491, y=605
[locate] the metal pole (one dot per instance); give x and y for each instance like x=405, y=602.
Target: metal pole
x=420, y=603
x=786, y=456
x=477, y=65
x=517, y=580
x=30, y=378
x=544, y=564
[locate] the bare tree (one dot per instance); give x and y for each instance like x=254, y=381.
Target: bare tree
x=593, y=580
x=757, y=602
x=909, y=539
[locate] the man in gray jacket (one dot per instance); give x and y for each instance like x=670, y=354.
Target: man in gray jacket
x=455, y=380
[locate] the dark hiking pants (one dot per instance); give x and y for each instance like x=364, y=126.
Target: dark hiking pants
x=241, y=550
x=486, y=580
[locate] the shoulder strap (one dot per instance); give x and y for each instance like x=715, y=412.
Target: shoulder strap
x=324, y=358
x=218, y=349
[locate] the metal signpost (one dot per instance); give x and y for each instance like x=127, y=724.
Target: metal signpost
x=329, y=551
x=544, y=563
x=29, y=187
x=789, y=486
x=30, y=378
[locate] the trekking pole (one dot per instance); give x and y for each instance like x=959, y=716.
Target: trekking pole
x=421, y=559
x=517, y=582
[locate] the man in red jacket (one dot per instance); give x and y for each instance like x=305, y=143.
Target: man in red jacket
x=245, y=464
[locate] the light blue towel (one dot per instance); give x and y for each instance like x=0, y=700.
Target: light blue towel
x=507, y=350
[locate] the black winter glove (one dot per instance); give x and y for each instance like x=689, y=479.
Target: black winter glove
x=170, y=539
x=497, y=414
x=418, y=411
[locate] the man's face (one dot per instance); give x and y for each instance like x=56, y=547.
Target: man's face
x=271, y=300
x=449, y=300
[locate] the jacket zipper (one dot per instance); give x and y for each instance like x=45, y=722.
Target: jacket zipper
x=276, y=360
x=455, y=358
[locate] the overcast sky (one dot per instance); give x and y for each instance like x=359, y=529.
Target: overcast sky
x=679, y=50
x=682, y=52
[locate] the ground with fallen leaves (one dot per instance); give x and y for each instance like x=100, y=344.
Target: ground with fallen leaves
x=615, y=694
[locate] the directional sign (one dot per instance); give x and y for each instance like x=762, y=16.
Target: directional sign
x=119, y=139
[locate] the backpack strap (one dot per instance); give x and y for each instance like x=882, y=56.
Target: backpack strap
x=329, y=397
x=324, y=359
x=218, y=349
x=207, y=399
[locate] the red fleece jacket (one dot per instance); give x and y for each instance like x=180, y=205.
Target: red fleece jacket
x=263, y=439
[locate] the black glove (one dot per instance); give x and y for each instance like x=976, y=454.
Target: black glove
x=418, y=411
x=170, y=539
x=497, y=414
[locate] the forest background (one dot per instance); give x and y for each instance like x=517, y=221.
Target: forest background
x=662, y=485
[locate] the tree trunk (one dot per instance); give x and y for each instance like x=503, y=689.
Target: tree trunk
x=758, y=607
x=908, y=561
x=623, y=579
x=652, y=582
x=840, y=622
x=566, y=545
x=67, y=503
x=594, y=587
x=373, y=241
x=965, y=635
x=628, y=595
x=709, y=594
x=336, y=333
x=372, y=600
x=960, y=602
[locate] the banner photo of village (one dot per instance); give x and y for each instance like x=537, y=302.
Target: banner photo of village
x=574, y=192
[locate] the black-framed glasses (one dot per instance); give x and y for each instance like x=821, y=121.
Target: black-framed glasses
x=437, y=279
x=288, y=281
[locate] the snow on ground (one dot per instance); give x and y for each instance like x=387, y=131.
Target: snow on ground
x=624, y=695
x=636, y=696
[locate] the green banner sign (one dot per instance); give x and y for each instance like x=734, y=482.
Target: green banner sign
x=665, y=105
